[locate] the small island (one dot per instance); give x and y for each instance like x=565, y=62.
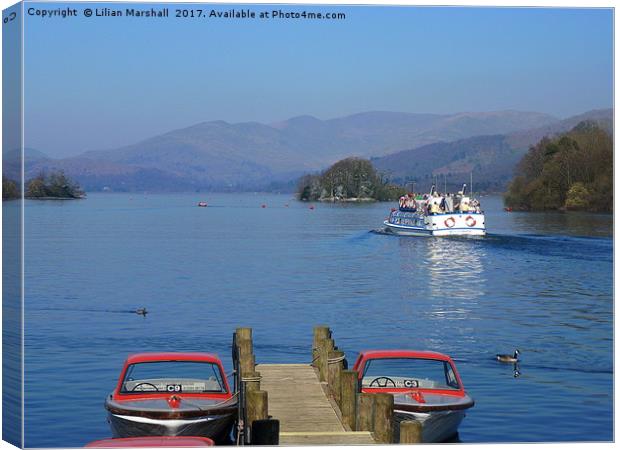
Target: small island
x=10, y=191
x=348, y=180
x=55, y=186
x=573, y=171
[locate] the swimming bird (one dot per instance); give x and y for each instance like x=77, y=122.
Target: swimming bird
x=141, y=311
x=509, y=358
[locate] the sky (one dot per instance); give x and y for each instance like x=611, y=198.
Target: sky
x=103, y=82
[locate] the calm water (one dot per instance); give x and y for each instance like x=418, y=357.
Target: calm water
x=539, y=282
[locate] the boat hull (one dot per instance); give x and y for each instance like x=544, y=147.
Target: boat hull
x=437, y=426
x=216, y=427
x=412, y=224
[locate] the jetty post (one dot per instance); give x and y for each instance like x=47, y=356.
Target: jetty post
x=348, y=397
x=410, y=432
x=326, y=346
x=335, y=360
x=383, y=416
x=320, y=333
x=257, y=407
x=365, y=407
x=375, y=413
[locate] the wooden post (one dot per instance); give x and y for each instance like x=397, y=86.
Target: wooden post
x=244, y=333
x=252, y=381
x=246, y=356
x=320, y=333
x=410, y=432
x=334, y=371
x=256, y=406
x=365, y=410
x=383, y=415
x=327, y=345
x=348, y=397
x=247, y=366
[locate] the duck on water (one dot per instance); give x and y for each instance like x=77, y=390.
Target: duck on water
x=437, y=214
x=509, y=358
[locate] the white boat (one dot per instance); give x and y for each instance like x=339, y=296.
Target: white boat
x=437, y=215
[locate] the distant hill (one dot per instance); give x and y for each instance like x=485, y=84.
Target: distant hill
x=491, y=158
x=220, y=155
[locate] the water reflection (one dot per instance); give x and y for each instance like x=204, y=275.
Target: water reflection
x=446, y=268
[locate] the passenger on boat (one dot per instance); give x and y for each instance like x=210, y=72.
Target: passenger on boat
x=449, y=203
x=435, y=207
x=464, y=206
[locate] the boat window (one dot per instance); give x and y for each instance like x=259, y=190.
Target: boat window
x=173, y=376
x=409, y=373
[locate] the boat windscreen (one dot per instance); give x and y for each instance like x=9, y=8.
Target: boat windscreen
x=409, y=373
x=173, y=376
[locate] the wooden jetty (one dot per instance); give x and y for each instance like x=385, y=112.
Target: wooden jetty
x=299, y=401
x=312, y=404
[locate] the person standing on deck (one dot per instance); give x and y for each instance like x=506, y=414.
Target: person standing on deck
x=450, y=202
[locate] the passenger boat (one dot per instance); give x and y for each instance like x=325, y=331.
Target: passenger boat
x=436, y=214
x=172, y=394
x=426, y=388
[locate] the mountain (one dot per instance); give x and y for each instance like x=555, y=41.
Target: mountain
x=12, y=161
x=491, y=158
x=251, y=155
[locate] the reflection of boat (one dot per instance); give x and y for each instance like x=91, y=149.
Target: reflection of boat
x=172, y=394
x=436, y=214
x=152, y=441
x=426, y=388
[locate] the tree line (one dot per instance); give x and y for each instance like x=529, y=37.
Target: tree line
x=573, y=171
x=348, y=179
x=53, y=185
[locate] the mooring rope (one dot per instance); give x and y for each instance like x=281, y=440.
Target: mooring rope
x=251, y=379
x=335, y=360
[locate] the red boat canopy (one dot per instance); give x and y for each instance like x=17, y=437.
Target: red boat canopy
x=378, y=354
x=153, y=441
x=172, y=356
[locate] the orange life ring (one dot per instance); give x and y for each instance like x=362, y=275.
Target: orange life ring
x=470, y=221
x=449, y=222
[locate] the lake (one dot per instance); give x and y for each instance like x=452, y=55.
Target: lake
x=539, y=282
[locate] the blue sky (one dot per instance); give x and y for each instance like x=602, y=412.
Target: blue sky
x=96, y=83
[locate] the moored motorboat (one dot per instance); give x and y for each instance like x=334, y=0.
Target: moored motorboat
x=437, y=214
x=172, y=394
x=426, y=388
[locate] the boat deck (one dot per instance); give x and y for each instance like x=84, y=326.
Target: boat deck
x=307, y=416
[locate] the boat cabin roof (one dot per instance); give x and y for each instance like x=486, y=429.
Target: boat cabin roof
x=173, y=356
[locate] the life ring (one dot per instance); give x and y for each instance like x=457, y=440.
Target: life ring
x=470, y=221
x=449, y=222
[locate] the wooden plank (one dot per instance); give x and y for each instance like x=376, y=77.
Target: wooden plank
x=298, y=401
x=342, y=438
